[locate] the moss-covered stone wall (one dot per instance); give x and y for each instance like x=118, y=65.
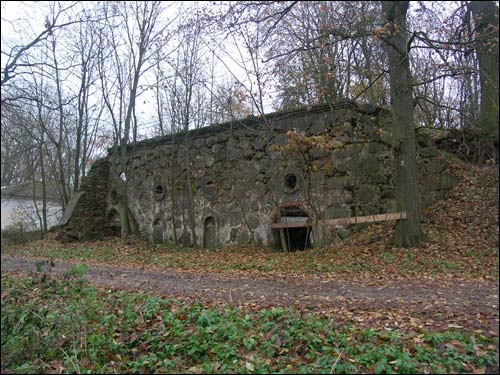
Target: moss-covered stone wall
x=323, y=162
x=87, y=211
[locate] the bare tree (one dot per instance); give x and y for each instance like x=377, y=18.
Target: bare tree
x=183, y=91
x=14, y=55
x=129, y=58
x=88, y=109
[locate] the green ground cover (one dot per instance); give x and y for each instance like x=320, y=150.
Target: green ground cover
x=67, y=326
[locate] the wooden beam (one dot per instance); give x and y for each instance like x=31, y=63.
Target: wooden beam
x=291, y=224
x=344, y=220
x=367, y=219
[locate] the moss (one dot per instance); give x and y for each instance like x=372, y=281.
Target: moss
x=88, y=220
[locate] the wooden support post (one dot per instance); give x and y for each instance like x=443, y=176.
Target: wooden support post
x=283, y=240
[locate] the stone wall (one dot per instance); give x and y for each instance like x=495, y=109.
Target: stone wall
x=85, y=214
x=245, y=176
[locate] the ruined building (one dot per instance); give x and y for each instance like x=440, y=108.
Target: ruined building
x=234, y=182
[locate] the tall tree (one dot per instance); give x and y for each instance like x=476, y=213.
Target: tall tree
x=408, y=232
x=485, y=14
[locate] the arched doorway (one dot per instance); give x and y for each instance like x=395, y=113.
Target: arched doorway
x=209, y=233
x=294, y=229
x=158, y=231
x=113, y=223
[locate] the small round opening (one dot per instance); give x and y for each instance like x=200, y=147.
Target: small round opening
x=114, y=197
x=159, y=192
x=290, y=181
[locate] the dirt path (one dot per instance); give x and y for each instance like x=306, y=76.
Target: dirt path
x=470, y=304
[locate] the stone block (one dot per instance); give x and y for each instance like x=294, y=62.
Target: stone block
x=388, y=193
x=317, y=153
x=209, y=161
x=448, y=180
x=428, y=152
x=259, y=143
x=210, y=141
x=377, y=177
x=243, y=238
x=280, y=139
x=376, y=148
x=199, y=143
x=222, y=137
x=390, y=205
x=431, y=182
x=368, y=209
x=367, y=194
x=317, y=128
x=371, y=165
x=252, y=220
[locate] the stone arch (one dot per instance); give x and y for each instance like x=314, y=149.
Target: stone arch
x=209, y=232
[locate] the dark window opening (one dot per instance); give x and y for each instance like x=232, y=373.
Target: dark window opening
x=290, y=181
x=114, y=197
x=114, y=224
x=296, y=212
x=209, y=235
x=159, y=192
x=298, y=238
x=158, y=231
x=293, y=237
x=209, y=187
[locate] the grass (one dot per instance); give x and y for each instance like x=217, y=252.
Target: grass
x=69, y=326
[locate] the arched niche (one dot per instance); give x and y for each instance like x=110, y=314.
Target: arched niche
x=158, y=231
x=113, y=223
x=209, y=232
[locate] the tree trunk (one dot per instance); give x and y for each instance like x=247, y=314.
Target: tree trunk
x=59, y=143
x=44, y=188
x=485, y=14
x=408, y=232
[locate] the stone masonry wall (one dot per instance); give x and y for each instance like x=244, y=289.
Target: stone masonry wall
x=85, y=216
x=244, y=176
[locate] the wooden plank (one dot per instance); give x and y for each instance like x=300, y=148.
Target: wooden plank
x=291, y=224
x=293, y=218
x=344, y=220
x=367, y=219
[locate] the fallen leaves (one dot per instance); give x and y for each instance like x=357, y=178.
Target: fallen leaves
x=462, y=232
x=449, y=284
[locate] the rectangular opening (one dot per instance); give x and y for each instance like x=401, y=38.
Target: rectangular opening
x=298, y=238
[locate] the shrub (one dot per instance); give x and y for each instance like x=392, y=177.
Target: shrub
x=18, y=233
